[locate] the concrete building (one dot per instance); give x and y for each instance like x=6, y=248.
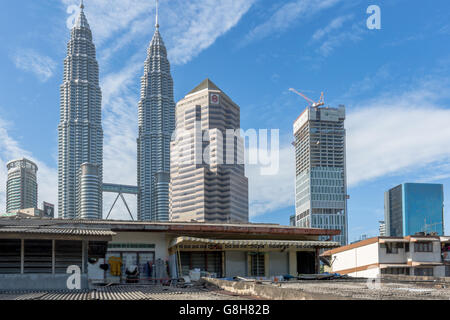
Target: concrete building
x=156, y=111
x=46, y=212
x=417, y=255
x=414, y=207
x=207, y=170
x=80, y=133
x=21, y=186
x=35, y=253
x=321, y=187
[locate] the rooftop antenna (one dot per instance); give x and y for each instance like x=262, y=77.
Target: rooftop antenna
x=157, y=13
x=82, y=5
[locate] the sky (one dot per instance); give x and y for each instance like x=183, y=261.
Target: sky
x=394, y=82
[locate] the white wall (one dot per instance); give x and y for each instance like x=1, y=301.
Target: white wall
x=356, y=257
x=159, y=239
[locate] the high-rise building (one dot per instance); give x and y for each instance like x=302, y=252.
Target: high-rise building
x=382, y=228
x=414, y=207
x=320, y=186
x=80, y=133
x=89, y=191
x=156, y=124
x=21, y=186
x=208, y=182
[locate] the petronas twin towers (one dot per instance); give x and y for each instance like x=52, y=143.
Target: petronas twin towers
x=156, y=125
x=80, y=134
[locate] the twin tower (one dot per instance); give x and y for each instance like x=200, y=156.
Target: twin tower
x=80, y=135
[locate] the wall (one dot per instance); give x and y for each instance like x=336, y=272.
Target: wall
x=278, y=264
x=235, y=263
x=160, y=239
x=434, y=256
x=400, y=257
x=356, y=257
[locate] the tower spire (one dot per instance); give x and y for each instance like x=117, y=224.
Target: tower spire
x=82, y=5
x=157, y=13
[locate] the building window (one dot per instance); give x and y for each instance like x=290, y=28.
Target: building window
x=423, y=247
x=391, y=248
x=257, y=267
x=424, y=272
x=395, y=270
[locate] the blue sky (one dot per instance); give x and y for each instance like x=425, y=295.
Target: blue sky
x=394, y=83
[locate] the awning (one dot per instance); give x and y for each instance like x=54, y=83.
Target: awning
x=393, y=240
x=70, y=233
x=418, y=264
x=384, y=265
x=416, y=239
x=286, y=243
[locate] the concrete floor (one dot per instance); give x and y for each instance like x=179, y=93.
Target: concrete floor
x=323, y=289
x=362, y=289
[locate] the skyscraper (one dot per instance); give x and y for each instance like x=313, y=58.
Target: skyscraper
x=156, y=111
x=80, y=133
x=208, y=182
x=21, y=186
x=321, y=187
x=414, y=207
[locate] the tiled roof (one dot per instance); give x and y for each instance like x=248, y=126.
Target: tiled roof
x=58, y=231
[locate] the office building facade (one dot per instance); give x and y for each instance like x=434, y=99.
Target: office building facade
x=320, y=186
x=410, y=208
x=21, y=186
x=156, y=111
x=208, y=182
x=80, y=133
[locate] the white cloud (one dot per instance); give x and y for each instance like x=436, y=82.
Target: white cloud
x=31, y=61
x=188, y=27
x=268, y=193
x=335, y=24
x=336, y=40
x=120, y=129
x=398, y=133
x=47, y=176
x=287, y=15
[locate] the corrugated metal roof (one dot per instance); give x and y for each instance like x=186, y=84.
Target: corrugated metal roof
x=166, y=226
x=288, y=243
x=58, y=231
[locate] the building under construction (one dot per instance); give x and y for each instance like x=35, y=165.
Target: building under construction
x=321, y=187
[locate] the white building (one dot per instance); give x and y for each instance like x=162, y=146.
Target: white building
x=412, y=256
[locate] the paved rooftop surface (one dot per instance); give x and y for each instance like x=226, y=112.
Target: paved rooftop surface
x=362, y=289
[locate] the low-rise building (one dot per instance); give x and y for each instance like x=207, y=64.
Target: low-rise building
x=35, y=252
x=418, y=255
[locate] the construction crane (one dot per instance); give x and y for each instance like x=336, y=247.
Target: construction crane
x=313, y=104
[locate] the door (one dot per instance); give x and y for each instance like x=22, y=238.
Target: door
x=306, y=262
